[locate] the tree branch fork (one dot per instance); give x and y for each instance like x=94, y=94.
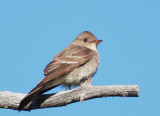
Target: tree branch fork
x=10, y=100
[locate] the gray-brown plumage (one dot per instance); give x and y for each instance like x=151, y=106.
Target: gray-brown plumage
x=75, y=64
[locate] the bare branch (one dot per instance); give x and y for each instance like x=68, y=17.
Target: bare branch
x=11, y=100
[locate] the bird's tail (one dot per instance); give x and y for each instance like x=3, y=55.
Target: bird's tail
x=42, y=87
x=30, y=97
x=36, y=92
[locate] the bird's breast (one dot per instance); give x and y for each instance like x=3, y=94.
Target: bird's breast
x=83, y=72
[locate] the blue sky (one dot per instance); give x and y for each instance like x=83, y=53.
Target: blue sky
x=32, y=32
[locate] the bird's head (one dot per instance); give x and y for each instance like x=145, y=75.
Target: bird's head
x=87, y=39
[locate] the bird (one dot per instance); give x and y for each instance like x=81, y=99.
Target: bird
x=71, y=67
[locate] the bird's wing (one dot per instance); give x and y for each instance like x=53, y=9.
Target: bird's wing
x=64, y=62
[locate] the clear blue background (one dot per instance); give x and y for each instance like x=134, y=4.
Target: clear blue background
x=32, y=32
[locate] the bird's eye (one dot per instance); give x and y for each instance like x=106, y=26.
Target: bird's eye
x=85, y=40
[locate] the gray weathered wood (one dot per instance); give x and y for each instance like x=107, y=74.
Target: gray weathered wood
x=11, y=100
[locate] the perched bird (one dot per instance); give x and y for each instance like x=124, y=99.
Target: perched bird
x=71, y=67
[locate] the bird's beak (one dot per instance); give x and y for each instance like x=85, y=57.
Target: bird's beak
x=98, y=41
